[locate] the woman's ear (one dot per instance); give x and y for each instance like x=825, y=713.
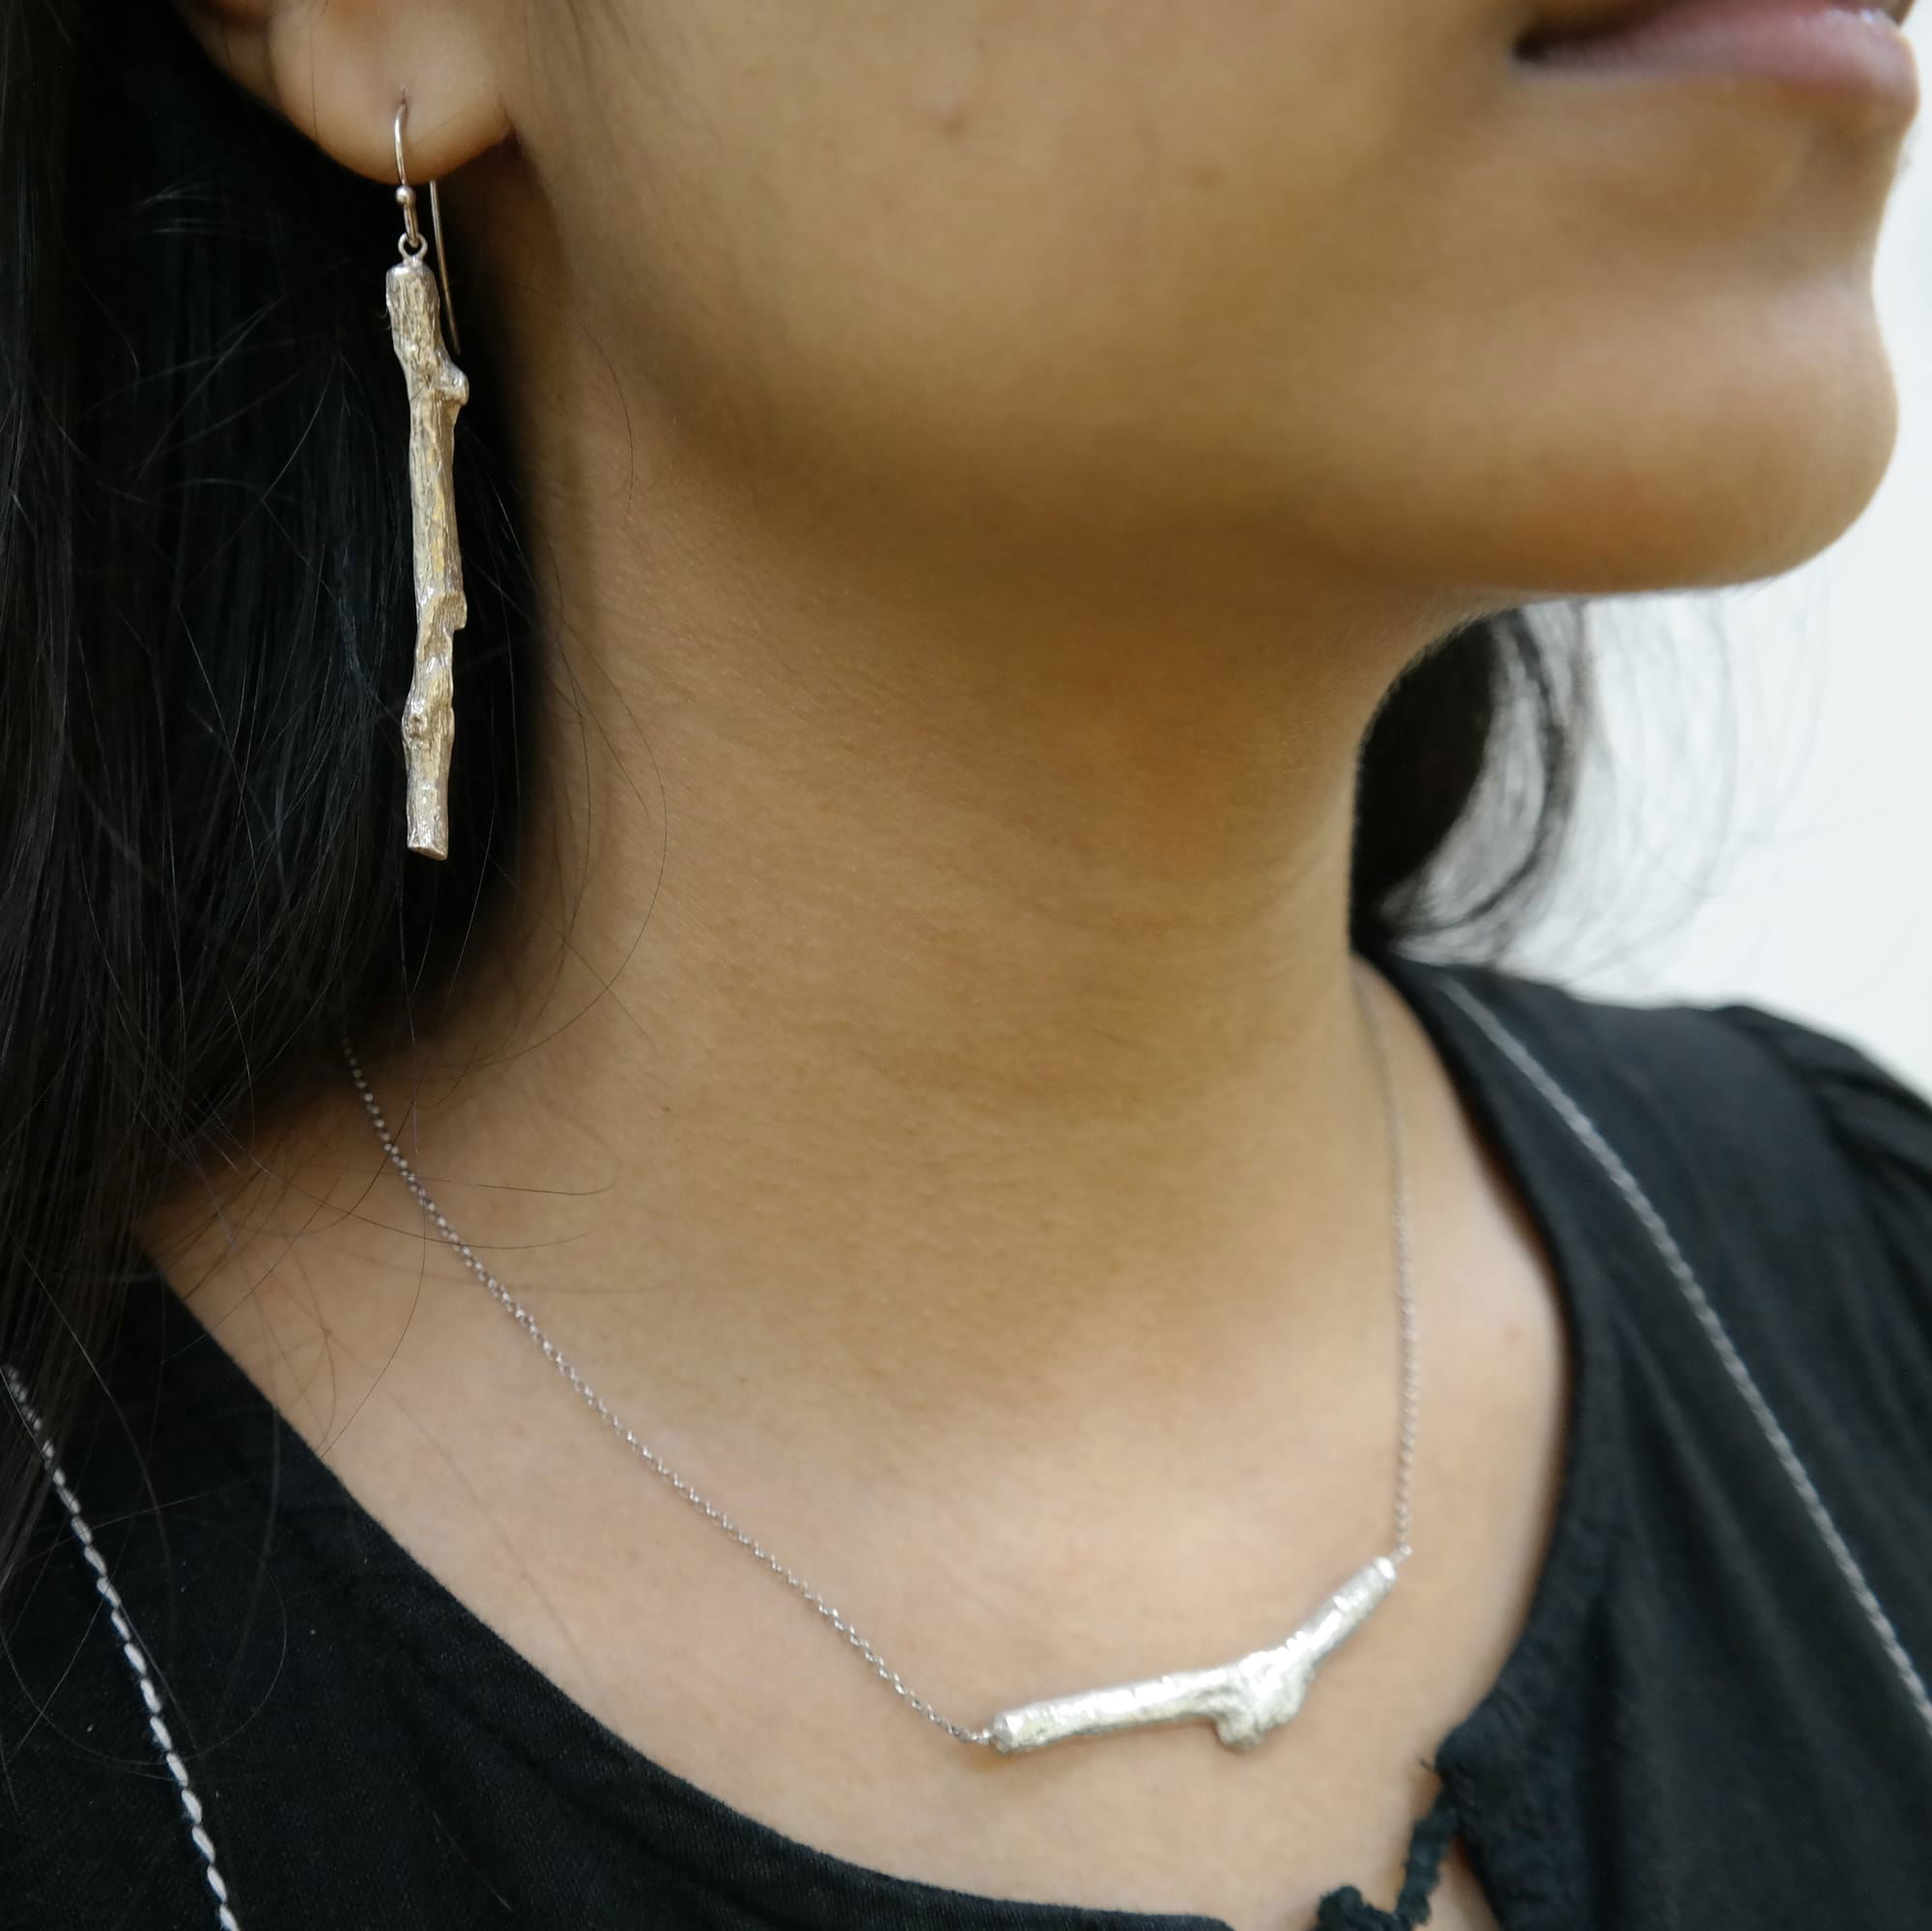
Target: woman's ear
x=337, y=69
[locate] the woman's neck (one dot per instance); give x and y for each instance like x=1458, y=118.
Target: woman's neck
x=928, y=996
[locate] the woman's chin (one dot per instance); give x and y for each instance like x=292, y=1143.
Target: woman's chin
x=1698, y=501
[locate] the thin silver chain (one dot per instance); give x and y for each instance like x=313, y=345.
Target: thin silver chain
x=965, y=1734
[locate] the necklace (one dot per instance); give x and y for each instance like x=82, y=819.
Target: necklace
x=1244, y=1699
x=1707, y=1318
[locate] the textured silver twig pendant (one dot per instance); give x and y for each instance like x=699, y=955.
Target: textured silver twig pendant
x=1244, y=1699
x=437, y=388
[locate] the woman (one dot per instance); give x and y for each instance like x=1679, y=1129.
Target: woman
x=1013, y=561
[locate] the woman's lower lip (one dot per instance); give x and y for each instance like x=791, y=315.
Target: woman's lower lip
x=1813, y=44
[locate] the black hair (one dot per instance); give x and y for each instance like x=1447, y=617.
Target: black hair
x=206, y=636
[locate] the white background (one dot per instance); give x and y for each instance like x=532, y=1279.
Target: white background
x=1758, y=822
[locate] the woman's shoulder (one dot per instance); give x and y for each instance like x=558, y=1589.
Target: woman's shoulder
x=1748, y=1087
x=1876, y=1119
x=1742, y=1206
x=1791, y=1164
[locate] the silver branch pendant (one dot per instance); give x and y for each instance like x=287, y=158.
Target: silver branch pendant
x=1244, y=1699
x=437, y=389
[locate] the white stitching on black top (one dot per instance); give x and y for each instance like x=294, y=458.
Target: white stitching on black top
x=130, y=1649
x=1580, y=1124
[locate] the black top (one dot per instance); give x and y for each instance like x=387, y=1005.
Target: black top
x=1698, y=1729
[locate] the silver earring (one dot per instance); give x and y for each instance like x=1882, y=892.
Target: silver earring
x=437, y=388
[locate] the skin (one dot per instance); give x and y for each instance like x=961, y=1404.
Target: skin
x=987, y=461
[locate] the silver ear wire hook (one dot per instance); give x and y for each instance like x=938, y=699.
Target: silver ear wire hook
x=412, y=242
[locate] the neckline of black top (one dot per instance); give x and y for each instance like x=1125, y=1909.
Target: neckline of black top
x=1483, y=1761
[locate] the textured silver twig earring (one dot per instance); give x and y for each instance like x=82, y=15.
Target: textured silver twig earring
x=437, y=388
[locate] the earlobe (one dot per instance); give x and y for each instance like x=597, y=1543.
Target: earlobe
x=336, y=68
